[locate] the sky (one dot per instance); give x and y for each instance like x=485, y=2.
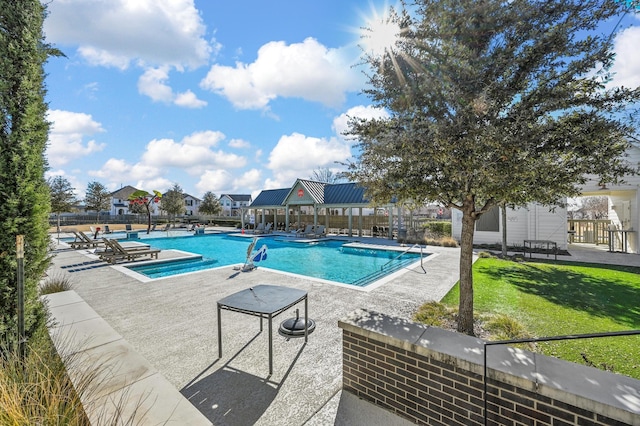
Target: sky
x=228, y=97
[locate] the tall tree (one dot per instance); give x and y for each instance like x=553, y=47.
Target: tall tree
x=210, y=204
x=493, y=102
x=173, y=201
x=145, y=199
x=62, y=196
x=97, y=198
x=25, y=202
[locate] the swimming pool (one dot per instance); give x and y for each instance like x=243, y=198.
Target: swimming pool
x=326, y=259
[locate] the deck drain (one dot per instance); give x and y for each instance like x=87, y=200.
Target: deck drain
x=294, y=327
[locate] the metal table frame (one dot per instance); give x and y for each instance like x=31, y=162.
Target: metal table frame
x=264, y=301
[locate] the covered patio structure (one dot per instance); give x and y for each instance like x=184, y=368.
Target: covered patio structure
x=342, y=208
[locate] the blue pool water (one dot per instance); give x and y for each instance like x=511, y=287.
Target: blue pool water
x=328, y=260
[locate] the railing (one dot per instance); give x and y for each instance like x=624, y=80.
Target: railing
x=588, y=231
x=405, y=252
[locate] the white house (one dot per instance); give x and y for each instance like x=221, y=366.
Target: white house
x=536, y=222
x=120, y=201
x=191, y=205
x=232, y=204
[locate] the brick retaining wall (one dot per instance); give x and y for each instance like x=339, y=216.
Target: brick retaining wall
x=432, y=376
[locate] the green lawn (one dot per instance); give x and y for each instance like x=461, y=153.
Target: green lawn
x=559, y=298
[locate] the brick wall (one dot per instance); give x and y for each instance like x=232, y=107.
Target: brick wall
x=432, y=376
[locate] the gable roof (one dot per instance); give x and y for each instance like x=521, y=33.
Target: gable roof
x=271, y=197
x=124, y=192
x=237, y=197
x=321, y=193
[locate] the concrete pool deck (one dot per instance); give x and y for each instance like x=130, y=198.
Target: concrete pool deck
x=172, y=324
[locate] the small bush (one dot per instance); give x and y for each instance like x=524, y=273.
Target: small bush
x=433, y=313
x=438, y=229
x=485, y=255
x=503, y=327
x=56, y=284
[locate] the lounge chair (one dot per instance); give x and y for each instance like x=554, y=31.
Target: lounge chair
x=153, y=228
x=319, y=231
x=83, y=242
x=116, y=252
x=308, y=231
x=259, y=228
x=266, y=230
x=166, y=227
x=128, y=227
x=106, y=229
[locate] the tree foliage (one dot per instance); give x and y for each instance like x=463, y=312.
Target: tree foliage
x=173, y=201
x=145, y=199
x=25, y=205
x=97, y=198
x=62, y=196
x=210, y=204
x=493, y=102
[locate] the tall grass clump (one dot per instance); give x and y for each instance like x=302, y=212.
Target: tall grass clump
x=55, y=284
x=36, y=390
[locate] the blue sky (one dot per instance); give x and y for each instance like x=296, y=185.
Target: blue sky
x=229, y=97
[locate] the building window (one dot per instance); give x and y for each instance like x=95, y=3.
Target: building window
x=489, y=221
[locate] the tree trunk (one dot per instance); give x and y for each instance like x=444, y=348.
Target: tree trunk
x=148, y=219
x=465, y=314
x=503, y=208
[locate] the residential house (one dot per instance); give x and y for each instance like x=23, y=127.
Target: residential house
x=191, y=204
x=232, y=204
x=120, y=202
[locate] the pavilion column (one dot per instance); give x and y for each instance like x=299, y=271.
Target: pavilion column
x=350, y=221
x=390, y=233
x=360, y=222
x=242, y=218
x=315, y=215
x=286, y=218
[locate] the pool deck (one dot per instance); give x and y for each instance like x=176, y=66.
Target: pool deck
x=172, y=323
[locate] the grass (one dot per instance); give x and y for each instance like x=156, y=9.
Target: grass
x=552, y=299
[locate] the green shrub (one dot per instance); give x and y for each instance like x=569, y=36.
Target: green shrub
x=441, y=228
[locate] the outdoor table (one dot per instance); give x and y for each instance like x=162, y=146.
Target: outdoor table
x=530, y=245
x=264, y=301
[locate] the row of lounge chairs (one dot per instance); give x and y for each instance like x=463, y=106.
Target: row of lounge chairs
x=114, y=251
x=110, y=250
x=311, y=231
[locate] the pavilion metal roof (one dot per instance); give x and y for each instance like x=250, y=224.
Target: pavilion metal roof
x=270, y=198
x=322, y=193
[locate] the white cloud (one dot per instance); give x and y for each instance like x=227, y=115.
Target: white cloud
x=298, y=155
x=627, y=63
x=340, y=123
x=221, y=181
x=239, y=144
x=188, y=99
x=305, y=70
x=116, y=32
x=67, y=135
x=193, y=153
x=153, y=83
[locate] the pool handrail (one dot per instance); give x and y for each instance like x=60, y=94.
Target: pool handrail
x=405, y=252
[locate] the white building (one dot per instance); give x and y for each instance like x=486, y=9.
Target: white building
x=232, y=204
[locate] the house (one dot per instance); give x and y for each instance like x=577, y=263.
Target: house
x=537, y=222
x=191, y=204
x=232, y=204
x=120, y=200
